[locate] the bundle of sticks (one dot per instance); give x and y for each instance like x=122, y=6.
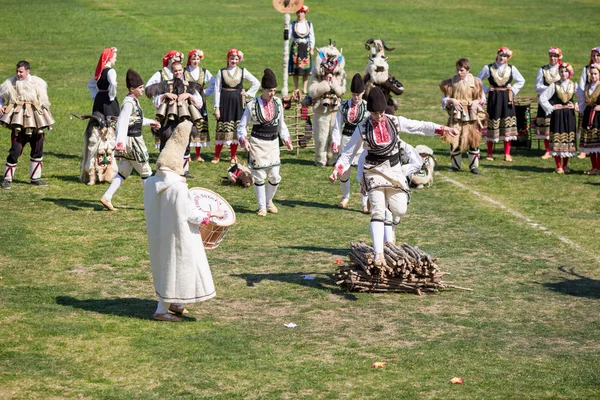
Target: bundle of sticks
x=406, y=269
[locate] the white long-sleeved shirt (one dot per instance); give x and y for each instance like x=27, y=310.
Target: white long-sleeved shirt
x=406, y=125
x=338, y=123
x=255, y=84
x=112, y=85
x=302, y=28
x=547, y=95
x=581, y=96
x=539, y=79
x=517, y=82
x=242, y=129
x=124, y=116
x=209, y=80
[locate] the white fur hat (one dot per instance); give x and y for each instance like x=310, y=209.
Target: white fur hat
x=172, y=154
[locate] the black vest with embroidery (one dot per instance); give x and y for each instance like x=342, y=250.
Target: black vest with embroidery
x=264, y=129
x=491, y=80
x=135, y=120
x=350, y=126
x=379, y=153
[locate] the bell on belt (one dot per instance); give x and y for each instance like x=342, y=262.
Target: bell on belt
x=40, y=121
x=194, y=113
x=184, y=111
x=48, y=117
x=17, y=117
x=172, y=113
x=161, y=112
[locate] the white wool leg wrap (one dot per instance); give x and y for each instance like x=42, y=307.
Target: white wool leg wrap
x=345, y=186
x=377, y=234
x=261, y=197
x=9, y=172
x=114, y=185
x=365, y=200
x=270, y=191
x=456, y=157
x=35, y=169
x=473, y=158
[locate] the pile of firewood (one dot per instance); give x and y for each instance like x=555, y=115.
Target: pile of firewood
x=406, y=269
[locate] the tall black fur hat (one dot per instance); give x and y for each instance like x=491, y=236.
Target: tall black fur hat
x=269, y=81
x=376, y=100
x=357, y=85
x=133, y=79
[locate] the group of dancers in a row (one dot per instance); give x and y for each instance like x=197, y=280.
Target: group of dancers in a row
x=560, y=100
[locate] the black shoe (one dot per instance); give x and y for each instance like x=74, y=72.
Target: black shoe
x=453, y=169
x=475, y=171
x=38, y=183
x=187, y=175
x=5, y=184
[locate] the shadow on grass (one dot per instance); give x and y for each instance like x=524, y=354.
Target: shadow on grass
x=301, y=203
x=592, y=183
x=62, y=155
x=126, y=307
x=501, y=164
x=300, y=161
x=76, y=205
x=68, y=178
x=581, y=287
x=334, y=251
x=319, y=282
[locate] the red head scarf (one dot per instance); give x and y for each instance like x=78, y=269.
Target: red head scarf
x=304, y=9
x=234, y=52
x=171, y=54
x=106, y=55
x=194, y=52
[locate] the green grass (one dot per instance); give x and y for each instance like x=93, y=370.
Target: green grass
x=75, y=285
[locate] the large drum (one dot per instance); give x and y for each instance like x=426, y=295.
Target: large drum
x=213, y=232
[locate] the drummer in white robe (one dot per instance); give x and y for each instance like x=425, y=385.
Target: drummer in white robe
x=266, y=115
x=384, y=175
x=179, y=266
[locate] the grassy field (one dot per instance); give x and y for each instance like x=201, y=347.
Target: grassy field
x=75, y=285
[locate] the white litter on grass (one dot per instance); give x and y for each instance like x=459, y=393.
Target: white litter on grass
x=517, y=214
x=290, y=325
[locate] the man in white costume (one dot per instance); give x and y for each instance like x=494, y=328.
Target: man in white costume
x=179, y=266
x=384, y=176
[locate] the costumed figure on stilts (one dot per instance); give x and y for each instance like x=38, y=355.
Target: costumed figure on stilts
x=268, y=125
x=301, y=49
x=130, y=146
x=546, y=76
x=505, y=81
x=327, y=86
x=349, y=115
x=377, y=74
x=589, y=102
x=230, y=100
x=384, y=176
x=201, y=76
x=177, y=100
x=463, y=99
x=25, y=110
x=559, y=102
x=180, y=269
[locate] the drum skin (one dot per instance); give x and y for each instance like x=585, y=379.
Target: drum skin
x=213, y=232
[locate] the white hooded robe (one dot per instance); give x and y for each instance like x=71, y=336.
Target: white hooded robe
x=179, y=266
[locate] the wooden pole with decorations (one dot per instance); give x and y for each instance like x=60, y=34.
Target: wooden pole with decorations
x=286, y=7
